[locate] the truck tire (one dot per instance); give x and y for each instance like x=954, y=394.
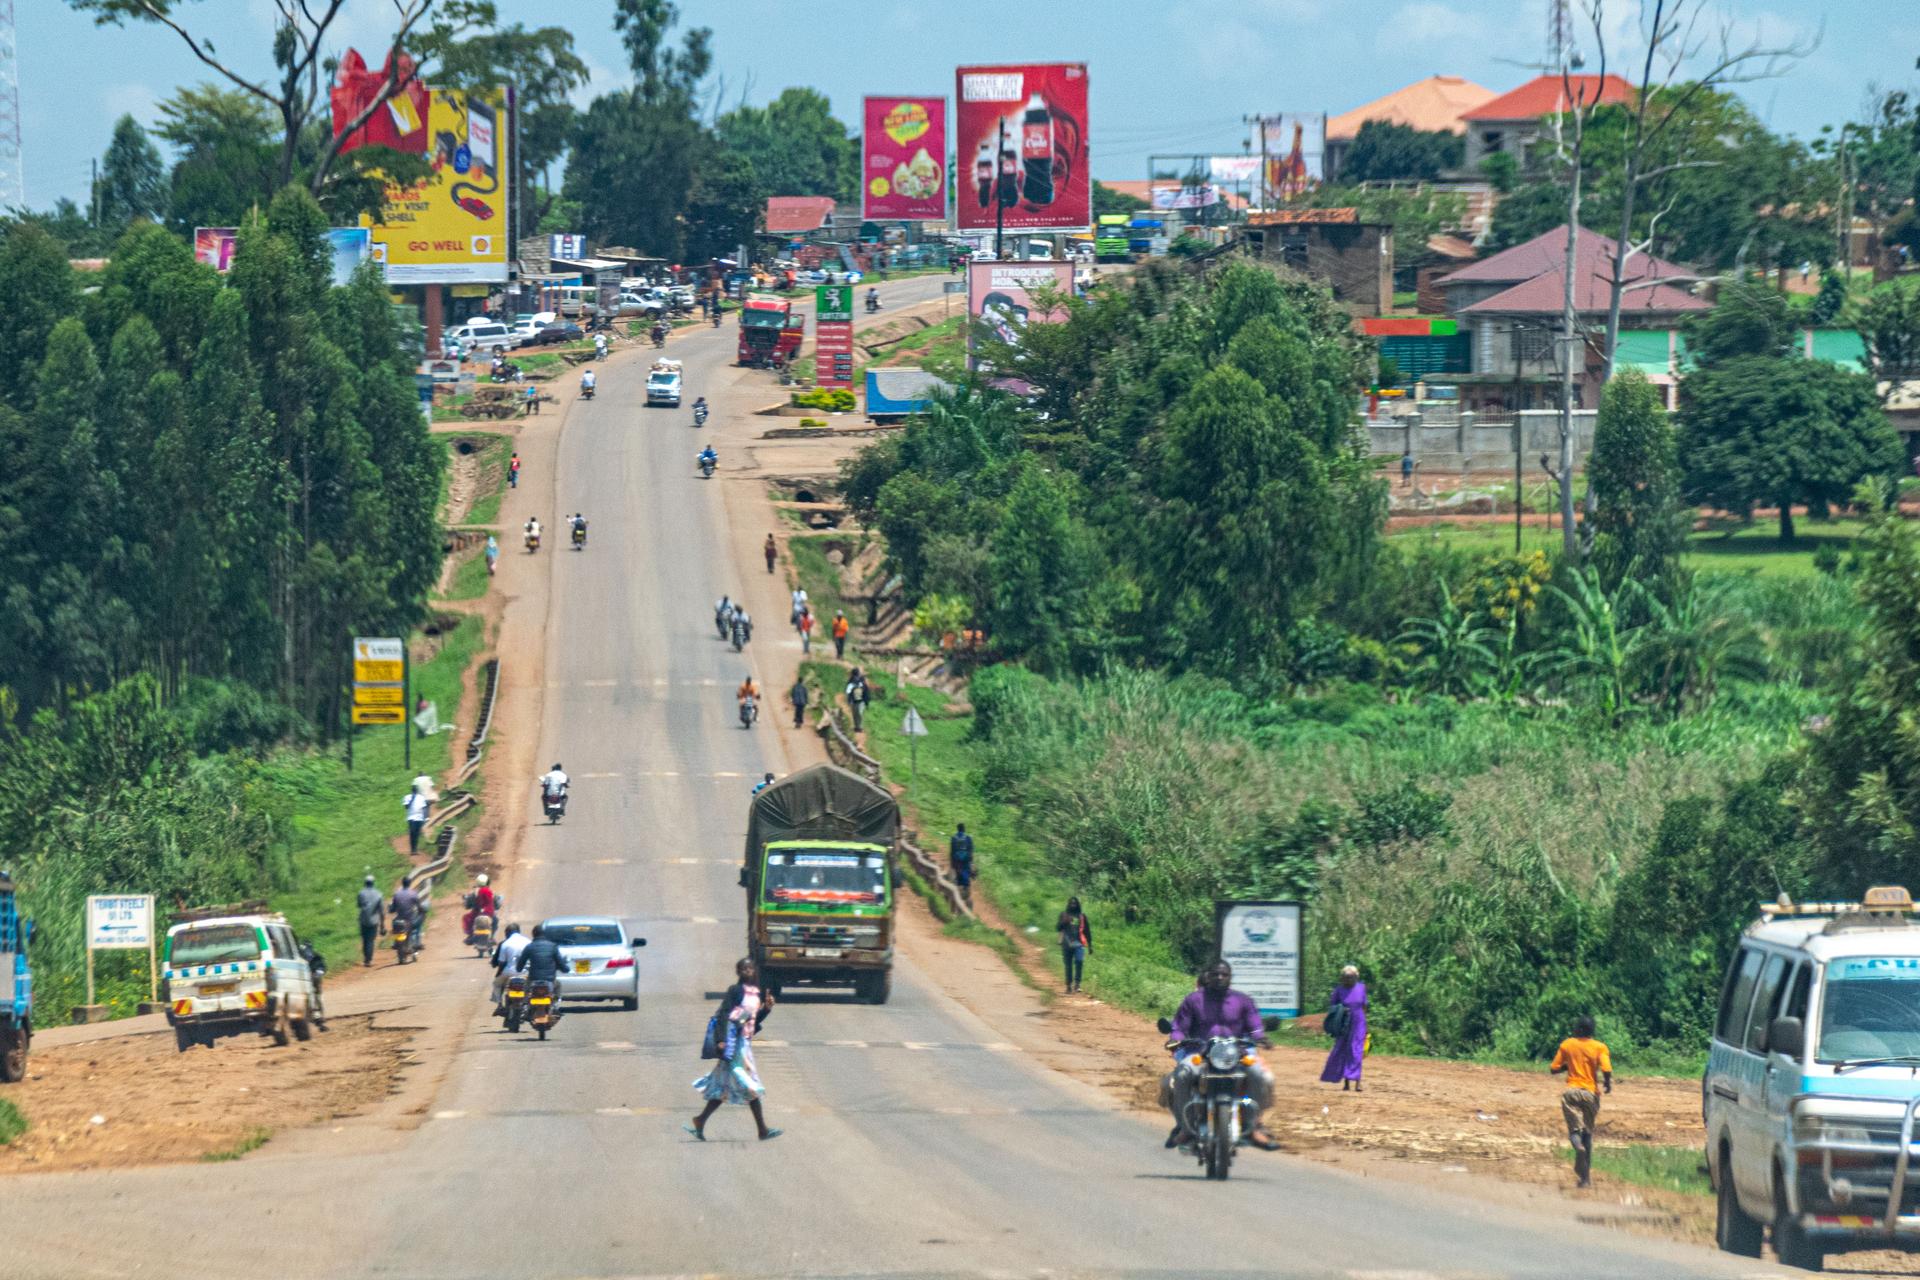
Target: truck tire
x=13, y=1052
x=184, y=1038
x=874, y=988
x=1733, y=1230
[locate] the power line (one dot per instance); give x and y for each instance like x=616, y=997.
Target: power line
x=13, y=183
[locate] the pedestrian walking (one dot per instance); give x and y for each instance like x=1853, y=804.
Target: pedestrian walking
x=840, y=629
x=493, y=553
x=1406, y=469
x=1589, y=1069
x=858, y=695
x=799, y=606
x=960, y=858
x=1347, y=1024
x=735, y=1078
x=513, y=471
x=806, y=631
x=1076, y=941
x=373, y=918
x=798, y=697
x=419, y=806
x=772, y=552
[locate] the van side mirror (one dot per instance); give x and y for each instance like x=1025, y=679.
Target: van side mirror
x=1787, y=1037
x=637, y=942
x=745, y=882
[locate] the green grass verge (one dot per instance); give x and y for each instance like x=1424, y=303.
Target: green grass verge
x=494, y=453
x=253, y=1140
x=343, y=821
x=470, y=579
x=1754, y=549
x=453, y=409
x=12, y=1123
x=1664, y=1168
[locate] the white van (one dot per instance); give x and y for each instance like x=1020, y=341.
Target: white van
x=483, y=335
x=1813, y=1081
x=239, y=973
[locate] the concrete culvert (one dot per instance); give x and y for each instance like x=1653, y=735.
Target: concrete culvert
x=804, y=495
x=463, y=447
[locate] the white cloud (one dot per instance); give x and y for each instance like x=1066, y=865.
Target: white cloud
x=136, y=100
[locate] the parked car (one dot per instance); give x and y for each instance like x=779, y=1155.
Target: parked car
x=597, y=959
x=484, y=335
x=649, y=303
x=557, y=331
x=226, y=974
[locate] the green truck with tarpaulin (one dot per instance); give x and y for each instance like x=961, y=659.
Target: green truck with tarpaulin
x=818, y=872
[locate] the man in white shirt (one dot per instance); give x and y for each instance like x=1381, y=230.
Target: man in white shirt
x=419, y=806
x=799, y=605
x=505, y=957
x=554, y=783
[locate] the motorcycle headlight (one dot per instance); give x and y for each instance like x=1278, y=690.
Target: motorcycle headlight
x=1223, y=1055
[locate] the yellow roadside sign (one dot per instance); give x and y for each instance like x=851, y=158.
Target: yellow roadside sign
x=379, y=695
x=379, y=715
x=379, y=659
x=379, y=672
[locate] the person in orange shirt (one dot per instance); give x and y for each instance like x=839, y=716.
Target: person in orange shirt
x=1589, y=1069
x=840, y=634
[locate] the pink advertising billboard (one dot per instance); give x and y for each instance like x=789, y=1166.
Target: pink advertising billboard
x=1020, y=138
x=903, y=160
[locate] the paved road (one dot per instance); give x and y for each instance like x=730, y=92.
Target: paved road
x=915, y=1144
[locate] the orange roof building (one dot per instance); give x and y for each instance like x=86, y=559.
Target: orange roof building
x=1513, y=122
x=1433, y=105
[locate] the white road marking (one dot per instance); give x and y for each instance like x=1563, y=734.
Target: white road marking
x=914, y=1044
x=448, y=1115
x=599, y=775
x=599, y=684
x=613, y=1111
x=846, y=1044
x=702, y=920
x=1001, y=1048
x=729, y=775
x=616, y=1044
x=769, y=1044
x=609, y=862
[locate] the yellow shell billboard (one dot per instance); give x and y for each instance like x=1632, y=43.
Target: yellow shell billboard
x=451, y=228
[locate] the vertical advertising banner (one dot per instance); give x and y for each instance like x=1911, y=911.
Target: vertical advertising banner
x=833, y=336
x=214, y=246
x=1000, y=295
x=451, y=227
x=903, y=160
x=1293, y=150
x=1020, y=148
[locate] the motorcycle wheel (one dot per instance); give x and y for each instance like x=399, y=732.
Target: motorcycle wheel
x=513, y=1022
x=1220, y=1140
x=542, y=1031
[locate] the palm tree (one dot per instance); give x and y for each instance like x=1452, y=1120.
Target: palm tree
x=1455, y=659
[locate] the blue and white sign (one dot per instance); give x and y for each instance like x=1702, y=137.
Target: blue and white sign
x=566, y=245
x=1262, y=941
x=120, y=922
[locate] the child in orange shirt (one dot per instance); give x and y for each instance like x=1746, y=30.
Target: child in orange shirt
x=1589, y=1069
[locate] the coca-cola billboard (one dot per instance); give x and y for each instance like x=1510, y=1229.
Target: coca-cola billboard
x=1020, y=148
x=903, y=160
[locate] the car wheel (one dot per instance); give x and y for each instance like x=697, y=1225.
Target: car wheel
x=1733, y=1230
x=1791, y=1243
x=630, y=1004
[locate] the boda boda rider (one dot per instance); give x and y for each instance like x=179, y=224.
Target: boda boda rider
x=1216, y=1009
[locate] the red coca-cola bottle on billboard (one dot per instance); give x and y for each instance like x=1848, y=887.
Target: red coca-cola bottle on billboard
x=1036, y=152
x=1009, y=168
x=983, y=172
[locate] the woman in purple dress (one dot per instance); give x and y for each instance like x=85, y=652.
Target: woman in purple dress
x=1347, y=1021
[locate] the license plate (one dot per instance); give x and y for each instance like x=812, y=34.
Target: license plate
x=823, y=953
x=217, y=988
x=583, y=966
x=541, y=1000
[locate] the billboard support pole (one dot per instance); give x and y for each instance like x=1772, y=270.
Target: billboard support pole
x=999, y=205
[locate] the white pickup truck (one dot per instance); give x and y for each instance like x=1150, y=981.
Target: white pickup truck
x=663, y=383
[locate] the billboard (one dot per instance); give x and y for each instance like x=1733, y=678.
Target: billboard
x=833, y=336
x=1001, y=295
x=1263, y=943
x=451, y=227
x=903, y=160
x=1292, y=149
x=1185, y=197
x=214, y=246
x=1229, y=170
x=1020, y=148
x=351, y=246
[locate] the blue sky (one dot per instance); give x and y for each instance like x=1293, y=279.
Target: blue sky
x=1174, y=76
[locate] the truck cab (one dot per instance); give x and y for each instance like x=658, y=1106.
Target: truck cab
x=1813, y=1081
x=769, y=333
x=16, y=986
x=819, y=879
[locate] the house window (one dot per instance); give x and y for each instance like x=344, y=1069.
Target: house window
x=1532, y=346
x=1492, y=140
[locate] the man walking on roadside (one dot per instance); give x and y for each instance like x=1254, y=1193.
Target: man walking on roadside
x=513, y=472
x=858, y=695
x=806, y=631
x=840, y=634
x=960, y=856
x=798, y=697
x=373, y=918
x=1589, y=1069
x=772, y=551
x=419, y=806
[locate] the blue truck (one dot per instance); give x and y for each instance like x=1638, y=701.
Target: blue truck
x=16, y=985
x=896, y=393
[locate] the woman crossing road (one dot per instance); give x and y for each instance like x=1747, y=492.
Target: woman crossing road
x=735, y=1078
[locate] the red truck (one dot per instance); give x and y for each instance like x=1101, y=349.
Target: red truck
x=769, y=333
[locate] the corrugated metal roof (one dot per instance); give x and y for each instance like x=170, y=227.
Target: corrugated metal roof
x=1548, y=251
x=789, y=214
x=1547, y=95
x=1545, y=295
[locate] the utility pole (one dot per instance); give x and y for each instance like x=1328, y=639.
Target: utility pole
x=93, y=186
x=999, y=202
x=1266, y=193
x=13, y=182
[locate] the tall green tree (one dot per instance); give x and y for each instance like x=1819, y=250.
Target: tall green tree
x=1638, y=519
x=1038, y=563
x=1771, y=430
x=1385, y=152
x=133, y=182
x=796, y=145
x=1889, y=324
x=37, y=290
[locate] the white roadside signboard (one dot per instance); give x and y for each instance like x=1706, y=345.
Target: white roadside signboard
x=1263, y=941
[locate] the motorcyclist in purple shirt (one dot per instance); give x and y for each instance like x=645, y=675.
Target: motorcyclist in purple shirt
x=1216, y=1009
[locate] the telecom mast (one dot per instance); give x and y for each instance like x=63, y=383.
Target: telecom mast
x=13, y=185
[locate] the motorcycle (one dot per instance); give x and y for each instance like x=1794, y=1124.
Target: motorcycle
x=586, y=391
x=1215, y=1106
x=706, y=468
x=742, y=632
x=749, y=712
x=533, y=543
x=873, y=304
x=659, y=338
x=699, y=415
x=716, y=317
x=480, y=937
x=543, y=1006
x=600, y=349
x=406, y=940
x=579, y=536
x=723, y=623
x=554, y=805
x=516, y=1002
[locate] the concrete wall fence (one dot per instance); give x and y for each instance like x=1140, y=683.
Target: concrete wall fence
x=1460, y=440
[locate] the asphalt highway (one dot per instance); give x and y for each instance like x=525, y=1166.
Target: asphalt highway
x=916, y=1144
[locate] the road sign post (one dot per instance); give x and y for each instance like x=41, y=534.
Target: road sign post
x=121, y=922
x=915, y=729
x=382, y=677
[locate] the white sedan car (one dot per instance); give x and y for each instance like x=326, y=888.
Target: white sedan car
x=599, y=960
